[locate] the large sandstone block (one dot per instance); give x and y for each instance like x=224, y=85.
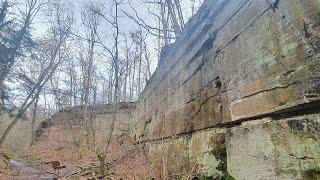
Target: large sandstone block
x=197, y=154
x=235, y=61
x=280, y=149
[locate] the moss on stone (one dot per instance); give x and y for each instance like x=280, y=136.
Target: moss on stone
x=312, y=173
x=209, y=66
x=220, y=152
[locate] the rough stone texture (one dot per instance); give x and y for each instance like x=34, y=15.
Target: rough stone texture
x=236, y=60
x=69, y=127
x=188, y=154
x=285, y=149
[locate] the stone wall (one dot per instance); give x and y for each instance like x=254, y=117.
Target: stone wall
x=68, y=125
x=283, y=149
x=286, y=148
x=229, y=86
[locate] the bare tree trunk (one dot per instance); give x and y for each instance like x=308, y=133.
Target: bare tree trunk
x=56, y=95
x=159, y=41
x=72, y=85
x=91, y=119
x=175, y=24
x=74, y=90
x=84, y=111
x=116, y=80
x=192, y=7
x=34, y=117
x=148, y=70
x=180, y=15
x=29, y=100
x=164, y=22
x=92, y=23
x=45, y=105
x=125, y=98
x=110, y=91
x=140, y=61
x=133, y=80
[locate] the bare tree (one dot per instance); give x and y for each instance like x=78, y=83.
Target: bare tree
x=53, y=46
x=91, y=21
x=116, y=74
x=13, y=38
x=113, y=51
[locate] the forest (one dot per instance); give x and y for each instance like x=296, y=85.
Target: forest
x=159, y=89
x=57, y=54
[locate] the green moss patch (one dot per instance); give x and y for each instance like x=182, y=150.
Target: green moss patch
x=312, y=173
x=220, y=152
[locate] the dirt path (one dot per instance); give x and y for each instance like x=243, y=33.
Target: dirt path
x=27, y=171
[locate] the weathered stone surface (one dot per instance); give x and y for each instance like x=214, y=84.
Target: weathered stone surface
x=235, y=61
x=72, y=127
x=188, y=154
x=282, y=149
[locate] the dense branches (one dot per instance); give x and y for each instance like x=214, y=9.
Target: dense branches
x=48, y=55
x=14, y=36
x=106, y=57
